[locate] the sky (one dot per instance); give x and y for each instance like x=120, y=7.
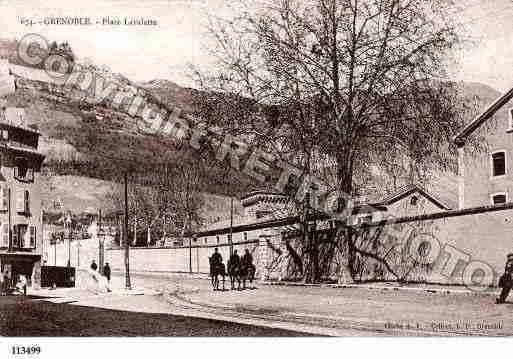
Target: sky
x=164, y=51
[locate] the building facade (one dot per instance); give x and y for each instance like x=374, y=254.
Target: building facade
x=485, y=175
x=263, y=207
x=20, y=198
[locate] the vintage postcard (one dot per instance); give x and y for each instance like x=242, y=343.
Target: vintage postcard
x=254, y=168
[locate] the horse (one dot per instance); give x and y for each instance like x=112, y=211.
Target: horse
x=234, y=272
x=216, y=270
x=247, y=273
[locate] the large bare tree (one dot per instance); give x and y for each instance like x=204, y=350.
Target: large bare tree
x=336, y=87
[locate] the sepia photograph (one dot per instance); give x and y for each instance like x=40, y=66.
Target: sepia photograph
x=235, y=169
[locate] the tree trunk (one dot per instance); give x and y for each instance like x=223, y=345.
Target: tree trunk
x=135, y=229
x=345, y=185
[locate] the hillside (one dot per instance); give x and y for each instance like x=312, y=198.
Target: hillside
x=84, y=195
x=85, y=137
x=93, y=143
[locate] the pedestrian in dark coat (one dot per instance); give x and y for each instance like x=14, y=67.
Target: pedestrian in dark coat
x=106, y=271
x=506, y=280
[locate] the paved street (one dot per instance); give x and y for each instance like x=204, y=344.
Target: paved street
x=82, y=313
x=178, y=305
x=340, y=311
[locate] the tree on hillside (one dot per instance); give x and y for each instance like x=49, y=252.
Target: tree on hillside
x=336, y=87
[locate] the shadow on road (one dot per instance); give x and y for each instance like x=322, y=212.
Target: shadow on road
x=26, y=316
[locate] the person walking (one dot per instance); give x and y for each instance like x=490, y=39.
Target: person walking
x=2, y=284
x=22, y=284
x=506, y=280
x=94, y=266
x=106, y=271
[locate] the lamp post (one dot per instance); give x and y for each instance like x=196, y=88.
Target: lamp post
x=78, y=254
x=128, y=285
x=231, y=228
x=68, y=223
x=101, y=240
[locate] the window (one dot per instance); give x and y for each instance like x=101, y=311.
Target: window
x=19, y=236
x=364, y=219
x=498, y=164
x=261, y=214
x=217, y=239
x=22, y=201
x=206, y=240
x=229, y=238
x=510, y=124
x=22, y=172
x=414, y=200
x=5, y=135
x=499, y=198
x=245, y=236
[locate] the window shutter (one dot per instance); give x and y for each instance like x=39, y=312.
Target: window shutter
x=27, y=202
x=32, y=237
x=4, y=205
x=5, y=234
x=20, y=201
x=15, y=237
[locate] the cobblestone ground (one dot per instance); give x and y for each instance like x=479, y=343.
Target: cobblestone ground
x=344, y=311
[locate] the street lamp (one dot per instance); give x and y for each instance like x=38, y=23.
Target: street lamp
x=78, y=254
x=68, y=222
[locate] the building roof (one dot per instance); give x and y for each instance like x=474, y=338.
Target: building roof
x=489, y=111
x=40, y=75
x=237, y=221
x=256, y=196
x=23, y=150
x=407, y=190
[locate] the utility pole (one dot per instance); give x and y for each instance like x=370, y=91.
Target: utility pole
x=127, y=244
x=68, y=221
x=78, y=254
x=43, y=236
x=10, y=220
x=100, y=241
x=231, y=227
x=190, y=254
